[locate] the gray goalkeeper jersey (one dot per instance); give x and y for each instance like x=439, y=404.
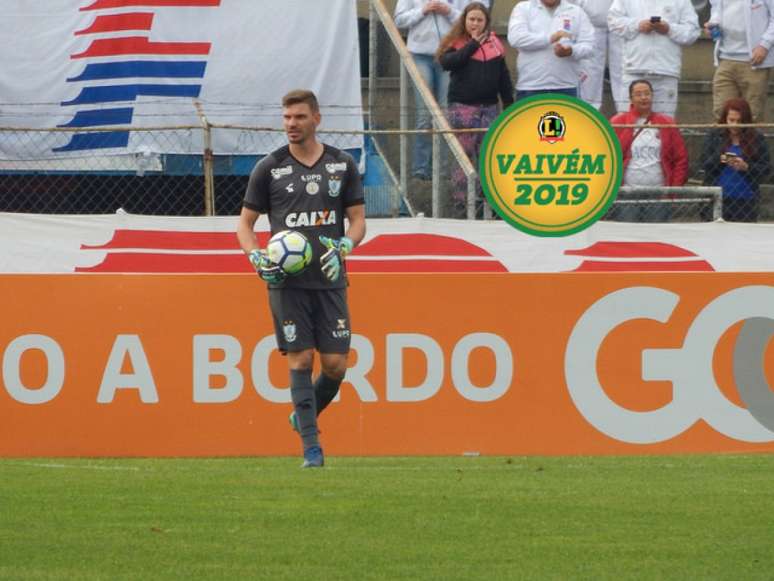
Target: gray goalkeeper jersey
x=311, y=200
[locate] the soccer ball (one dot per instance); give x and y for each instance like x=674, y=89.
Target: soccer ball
x=290, y=250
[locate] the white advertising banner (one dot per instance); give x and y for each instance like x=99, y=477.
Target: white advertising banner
x=138, y=244
x=88, y=64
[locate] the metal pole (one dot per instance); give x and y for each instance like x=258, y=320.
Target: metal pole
x=207, y=162
x=403, y=139
x=372, y=51
x=436, y=192
x=471, y=201
x=717, y=205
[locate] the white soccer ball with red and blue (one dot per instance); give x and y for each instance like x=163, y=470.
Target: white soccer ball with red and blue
x=290, y=250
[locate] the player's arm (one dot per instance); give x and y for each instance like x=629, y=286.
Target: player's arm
x=246, y=230
x=357, y=223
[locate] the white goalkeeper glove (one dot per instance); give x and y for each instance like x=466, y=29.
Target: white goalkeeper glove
x=332, y=260
x=265, y=268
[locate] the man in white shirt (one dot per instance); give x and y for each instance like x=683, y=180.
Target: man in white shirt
x=654, y=32
x=552, y=37
x=744, y=34
x=607, y=47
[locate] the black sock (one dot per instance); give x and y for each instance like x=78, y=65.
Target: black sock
x=302, y=394
x=325, y=389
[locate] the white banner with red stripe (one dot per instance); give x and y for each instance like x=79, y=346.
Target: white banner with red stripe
x=131, y=243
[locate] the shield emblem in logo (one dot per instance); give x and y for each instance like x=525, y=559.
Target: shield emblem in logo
x=289, y=329
x=334, y=187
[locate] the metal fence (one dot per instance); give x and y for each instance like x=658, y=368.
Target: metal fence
x=210, y=183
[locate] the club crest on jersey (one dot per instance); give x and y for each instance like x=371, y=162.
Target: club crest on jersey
x=314, y=218
x=289, y=330
x=334, y=187
x=279, y=172
x=334, y=167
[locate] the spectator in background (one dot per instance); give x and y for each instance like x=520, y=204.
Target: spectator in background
x=654, y=32
x=427, y=22
x=607, y=47
x=736, y=159
x=479, y=75
x=552, y=37
x=651, y=157
x=743, y=34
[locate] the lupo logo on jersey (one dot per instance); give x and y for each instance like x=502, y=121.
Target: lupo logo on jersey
x=551, y=165
x=123, y=64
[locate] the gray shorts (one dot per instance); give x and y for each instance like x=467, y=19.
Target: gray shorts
x=310, y=319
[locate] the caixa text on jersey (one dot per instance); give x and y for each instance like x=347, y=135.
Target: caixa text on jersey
x=314, y=218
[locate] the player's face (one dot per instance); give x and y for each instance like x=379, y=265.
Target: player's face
x=475, y=23
x=642, y=98
x=300, y=122
x=550, y=3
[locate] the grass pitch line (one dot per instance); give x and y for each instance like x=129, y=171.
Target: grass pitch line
x=74, y=466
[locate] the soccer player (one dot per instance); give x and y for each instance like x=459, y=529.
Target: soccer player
x=309, y=187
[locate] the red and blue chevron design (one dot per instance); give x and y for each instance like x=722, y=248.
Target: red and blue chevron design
x=122, y=64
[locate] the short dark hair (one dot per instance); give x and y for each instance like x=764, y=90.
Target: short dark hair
x=301, y=96
x=638, y=82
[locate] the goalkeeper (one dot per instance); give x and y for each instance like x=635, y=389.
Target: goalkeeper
x=309, y=187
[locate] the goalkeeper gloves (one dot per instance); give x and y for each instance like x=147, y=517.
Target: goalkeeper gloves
x=332, y=260
x=265, y=268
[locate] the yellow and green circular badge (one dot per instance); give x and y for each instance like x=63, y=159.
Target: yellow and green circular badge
x=551, y=165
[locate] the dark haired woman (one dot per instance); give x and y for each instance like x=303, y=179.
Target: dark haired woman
x=736, y=159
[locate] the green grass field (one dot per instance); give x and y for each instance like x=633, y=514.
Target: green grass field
x=677, y=517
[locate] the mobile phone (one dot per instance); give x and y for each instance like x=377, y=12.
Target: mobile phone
x=655, y=19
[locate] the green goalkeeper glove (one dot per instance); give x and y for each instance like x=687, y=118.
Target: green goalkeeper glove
x=265, y=268
x=331, y=261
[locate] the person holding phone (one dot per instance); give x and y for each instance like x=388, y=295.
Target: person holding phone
x=737, y=159
x=653, y=33
x=480, y=80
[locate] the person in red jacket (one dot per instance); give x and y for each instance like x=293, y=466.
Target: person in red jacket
x=651, y=157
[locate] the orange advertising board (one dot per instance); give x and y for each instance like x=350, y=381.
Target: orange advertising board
x=597, y=363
